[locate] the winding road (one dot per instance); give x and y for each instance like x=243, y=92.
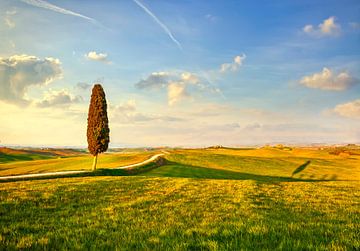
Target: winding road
x=64, y=173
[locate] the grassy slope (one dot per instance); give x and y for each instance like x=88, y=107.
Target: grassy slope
x=266, y=164
x=72, y=163
x=11, y=155
x=248, y=200
x=178, y=213
x=7, y=158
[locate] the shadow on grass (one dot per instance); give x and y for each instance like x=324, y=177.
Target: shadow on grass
x=165, y=168
x=99, y=172
x=301, y=168
x=174, y=169
x=6, y=158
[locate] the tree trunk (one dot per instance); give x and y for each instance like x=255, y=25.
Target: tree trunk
x=94, y=163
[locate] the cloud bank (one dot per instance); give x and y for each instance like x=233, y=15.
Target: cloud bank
x=58, y=98
x=128, y=113
x=328, y=80
x=179, y=85
x=19, y=72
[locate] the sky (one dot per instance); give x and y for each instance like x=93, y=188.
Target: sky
x=181, y=73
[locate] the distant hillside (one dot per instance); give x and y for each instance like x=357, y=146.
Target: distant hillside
x=11, y=154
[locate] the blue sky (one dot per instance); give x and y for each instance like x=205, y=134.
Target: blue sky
x=181, y=73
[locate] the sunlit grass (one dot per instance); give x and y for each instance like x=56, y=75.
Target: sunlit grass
x=213, y=199
x=267, y=162
x=83, y=162
x=7, y=158
x=12, y=155
x=178, y=213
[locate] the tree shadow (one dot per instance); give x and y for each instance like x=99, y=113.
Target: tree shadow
x=301, y=168
x=175, y=169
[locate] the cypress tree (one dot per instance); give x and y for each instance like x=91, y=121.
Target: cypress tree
x=98, y=128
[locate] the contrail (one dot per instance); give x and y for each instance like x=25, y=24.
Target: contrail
x=162, y=25
x=45, y=5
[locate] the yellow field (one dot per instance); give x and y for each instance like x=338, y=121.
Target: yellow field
x=198, y=199
x=322, y=164
x=83, y=162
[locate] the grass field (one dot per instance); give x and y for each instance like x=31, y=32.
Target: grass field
x=45, y=163
x=264, y=164
x=10, y=155
x=208, y=199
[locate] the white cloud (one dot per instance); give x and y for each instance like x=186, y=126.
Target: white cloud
x=179, y=85
x=190, y=78
x=19, y=72
x=58, y=98
x=127, y=113
x=94, y=56
x=327, y=28
x=11, y=12
x=328, y=80
x=176, y=92
x=12, y=44
x=234, y=66
x=349, y=110
x=83, y=86
x=308, y=28
x=129, y=106
x=10, y=23
x=154, y=80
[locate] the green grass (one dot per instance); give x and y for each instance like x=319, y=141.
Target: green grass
x=226, y=165
x=6, y=158
x=218, y=199
x=165, y=213
x=83, y=162
x=8, y=155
